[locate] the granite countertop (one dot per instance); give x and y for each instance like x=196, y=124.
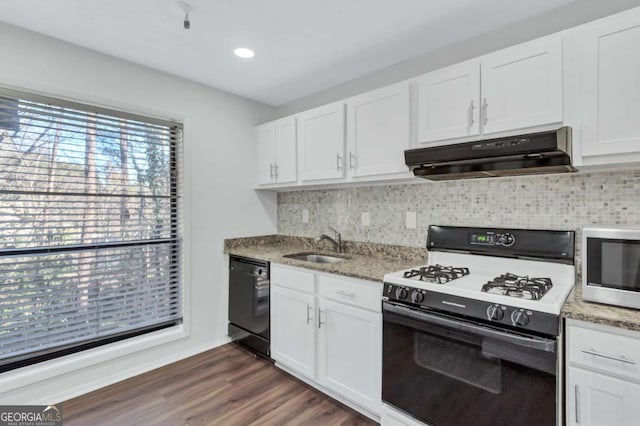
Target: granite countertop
x=576, y=308
x=369, y=261
x=366, y=261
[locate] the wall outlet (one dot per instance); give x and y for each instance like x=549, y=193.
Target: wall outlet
x=365, y=218
x=411, y=220
x=305, y=216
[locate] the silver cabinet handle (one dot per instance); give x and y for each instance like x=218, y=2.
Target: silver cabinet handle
x=320, y=318
x=275, y=168
x=346, y=293
x=271, y=171
x=577, y=402
x=351, y=161
x=308, y=314
x=611, y=357
x=338, y=161
x=470, y=117
x=485, y=106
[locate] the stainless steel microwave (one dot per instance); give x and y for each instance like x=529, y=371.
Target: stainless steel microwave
x=611, y=265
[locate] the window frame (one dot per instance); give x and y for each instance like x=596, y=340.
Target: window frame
x=131, y=341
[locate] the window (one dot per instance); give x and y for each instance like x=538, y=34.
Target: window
x=90, y=227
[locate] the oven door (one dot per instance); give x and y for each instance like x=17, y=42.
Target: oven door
x=447, y=371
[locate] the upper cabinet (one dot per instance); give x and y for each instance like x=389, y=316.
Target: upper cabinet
x=515, y=88
x=378, y=131
x=585, y=77
x=277, y=151
x=321, y=138
x=448, y=103
x=610, y=89
x=522, y=86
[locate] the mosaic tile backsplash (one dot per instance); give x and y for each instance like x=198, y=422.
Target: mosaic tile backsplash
x=563, y=202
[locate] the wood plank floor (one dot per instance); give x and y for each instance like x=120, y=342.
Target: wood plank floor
x=224, y=386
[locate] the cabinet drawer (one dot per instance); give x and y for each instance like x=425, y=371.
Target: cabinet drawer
x=611, y=351
x=292, y=278
x=363, y=294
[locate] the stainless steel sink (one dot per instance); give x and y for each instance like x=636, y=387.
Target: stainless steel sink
x=316, y=257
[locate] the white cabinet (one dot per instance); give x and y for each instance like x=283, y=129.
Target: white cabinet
x=321, y=140
x=349, y=358
x=516, y=88
x=603, y=375
x=332, y=336
x=293, y=319
x=448, y=102
x=378, y=131
x=293, y=329
x=610, y=89
x=599, y=400
x=276, y=143
x=522, y=86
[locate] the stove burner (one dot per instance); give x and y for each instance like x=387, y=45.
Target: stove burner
x=518, y=286
x=437, y=273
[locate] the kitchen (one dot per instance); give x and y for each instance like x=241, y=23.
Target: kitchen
x=373, y=206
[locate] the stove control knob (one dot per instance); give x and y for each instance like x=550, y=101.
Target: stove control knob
x=494, y=313
x=401, y=293
x=506, y=240
x=519, y=318
x=417, y=297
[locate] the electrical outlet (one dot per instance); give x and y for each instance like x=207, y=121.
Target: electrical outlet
x=411, y=220
x=365, y=218
x=305, y=216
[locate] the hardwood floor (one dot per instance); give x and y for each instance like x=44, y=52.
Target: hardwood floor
x=224, y=386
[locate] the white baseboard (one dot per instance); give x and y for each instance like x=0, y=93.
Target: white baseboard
x=126, y=374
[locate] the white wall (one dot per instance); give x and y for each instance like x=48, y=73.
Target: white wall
x=573, y=14
x=219, y=201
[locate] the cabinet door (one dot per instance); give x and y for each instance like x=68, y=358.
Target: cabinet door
x=265, y=137
x=321, y=143
x=522, y=86
x=286, y=156
x=378, y=131
x=610, y=89
x=448, y=103
x=349, y=353
x=596, y=399
x=293, y=330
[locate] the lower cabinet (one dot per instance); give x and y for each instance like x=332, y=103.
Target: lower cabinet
x=293, y=337
x=330, y=335
x=597, y=399
x=603, y=375
x=349, y=352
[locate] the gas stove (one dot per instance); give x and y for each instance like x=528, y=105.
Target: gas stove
x=512, y=278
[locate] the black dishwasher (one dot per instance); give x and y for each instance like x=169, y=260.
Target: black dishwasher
x=249, y=303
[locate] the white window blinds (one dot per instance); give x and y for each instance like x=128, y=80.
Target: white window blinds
x=90, y=227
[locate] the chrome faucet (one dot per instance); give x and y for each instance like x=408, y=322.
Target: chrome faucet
x=336, y=241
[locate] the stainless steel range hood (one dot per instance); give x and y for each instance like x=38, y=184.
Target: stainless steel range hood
x=536, y=153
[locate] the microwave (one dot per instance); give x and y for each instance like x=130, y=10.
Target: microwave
x=611, y=265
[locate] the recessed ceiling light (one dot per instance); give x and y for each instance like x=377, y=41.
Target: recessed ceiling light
x=243, y=52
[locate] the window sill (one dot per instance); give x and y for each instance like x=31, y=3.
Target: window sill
x=24, y=376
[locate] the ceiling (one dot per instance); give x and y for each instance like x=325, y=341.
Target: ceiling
x=302, y=46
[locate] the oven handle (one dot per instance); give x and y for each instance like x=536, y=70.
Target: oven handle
x=546, y=345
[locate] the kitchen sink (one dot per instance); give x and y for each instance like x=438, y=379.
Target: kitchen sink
x=315, y=257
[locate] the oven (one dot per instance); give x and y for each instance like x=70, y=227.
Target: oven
x=445, y=369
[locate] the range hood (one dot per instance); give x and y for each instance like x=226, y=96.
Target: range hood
x=536, y=153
